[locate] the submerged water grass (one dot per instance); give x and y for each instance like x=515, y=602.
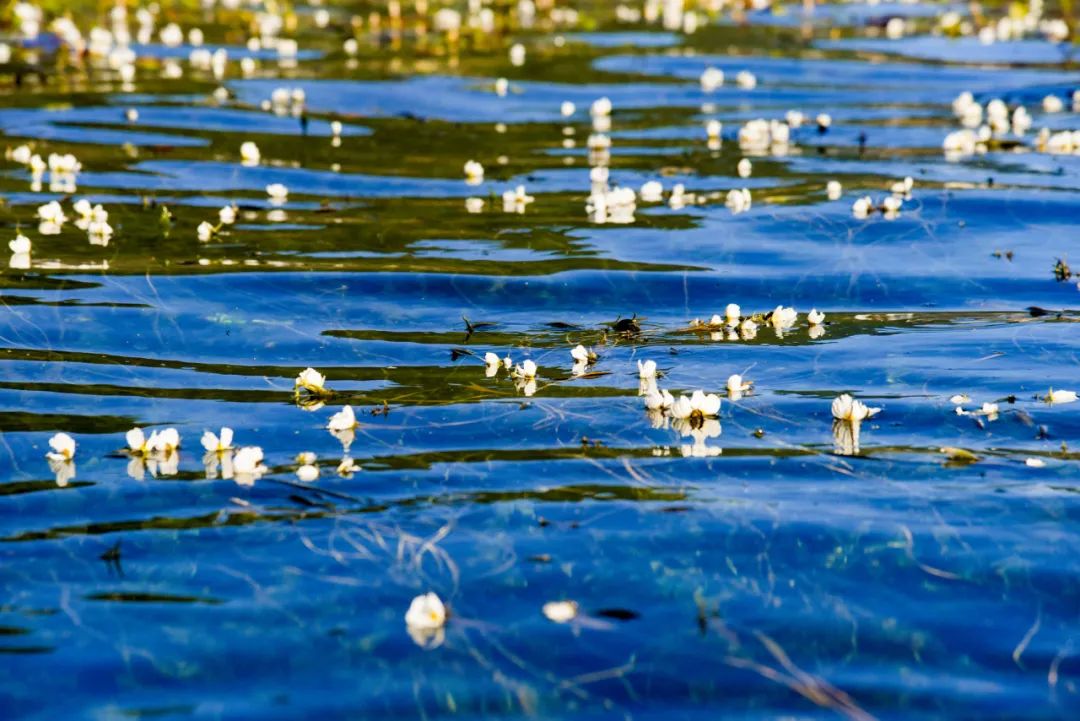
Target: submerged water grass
x=521, y=359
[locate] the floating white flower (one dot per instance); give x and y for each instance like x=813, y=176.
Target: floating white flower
x=517, y=55
x=581, y=354
x=815, y=317
x=1034, y=463
x=51, y=212
x=347, y=467
x=474, y=172
x=164, y=441
x=560, y=611
x=311, y=380
x=746, y=80
x=824, y=121
x=247, y=465
x=903, y=187
x=227, y=215
x=567, y=109
x=659, y=400
x=833, y=190
x=732, y=313
x=783, y=317
x=647, y=369
x=205, y=231
x=711, y=79
x=744, y=168
x=63, y=448
x=138, y=443
x=862, y=207
x=278, y=193
x=249, y=153
x=794, y=118
x=514, y=201
x=1052, y=104
x=426, y=612
x=343, y=420
x=308, y=473
x=131, y=115
x=736, y=386
x=1060, y=396
x=21, y=244
x=652, y=191
x=502, y=86
x=713, y=129
x=526, y=370
x=748, y=329
x=218, y=444
x=738, y=200
x=492, y=363
x=99, y=232
x=21, y=154
x=600, y=107
x=698, y=405
x=846, y=408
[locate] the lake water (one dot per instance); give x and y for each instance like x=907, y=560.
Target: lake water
x=759, y=565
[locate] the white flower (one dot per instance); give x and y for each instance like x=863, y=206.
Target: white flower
x=426, y=612
x=1034, y=463
x=227, y=215
x=218, y=444
x=492, y=363
x=815, y=317
x=746, y=80
x=311, y=380
x=732, y=313
x=833, y=190
x=890, y=206
x=65, y=164
x=526, y=370
x=862, y=207
x=744, y=168
x=601, y=107
x=736, y=386
x=247, y=465
x=343, y=420
x=278, y=193
x=308, y=473
x=567, y=109
x=205, y=231
x=713, y=129
x=165, y=441
x=1052, y=104
x=137, y=442
x=697, y=405
x=131, y=114
x=711, y=79
x=783, y=317
x=659, y=400
x=824, y=120
x=1059, y=396
x=959, y=399
x=51, y=212
x=581, y=354
x=647, y=369
x=846, y=408
x=21, y=244
x=99, y=232
x=474, y=172
x=560, y=611
x=794, y=118
x=21, y=154
x=652, y=191
x=249, y=153
x=902, y=187
x=738, y=200
x=63, y=447
x=517, y=55
x=347, y=467
x=502, y=86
